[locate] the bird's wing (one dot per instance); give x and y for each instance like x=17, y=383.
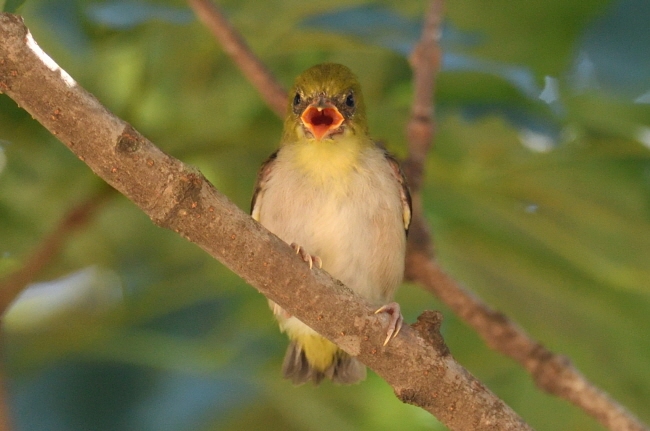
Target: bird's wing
x=262, y=177
x=405, y=195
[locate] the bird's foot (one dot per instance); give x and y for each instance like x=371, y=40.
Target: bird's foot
x=395, y=319
x=311, y=260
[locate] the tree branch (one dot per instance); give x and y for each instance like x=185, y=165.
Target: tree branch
x=425, y=61
x=176, y=196
x=551, y=372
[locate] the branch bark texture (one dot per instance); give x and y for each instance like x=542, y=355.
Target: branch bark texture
x=176, y=196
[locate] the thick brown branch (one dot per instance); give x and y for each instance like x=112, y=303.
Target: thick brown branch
x=176, y=196
x=235, y=46
x=551, y=372
x=49, y=247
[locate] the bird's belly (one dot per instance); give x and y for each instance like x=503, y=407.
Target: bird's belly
x=358, y=235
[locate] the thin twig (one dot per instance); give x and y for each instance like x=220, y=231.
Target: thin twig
x=50, y=247
x=552, y=372
x=236, y=47
x=425, y=61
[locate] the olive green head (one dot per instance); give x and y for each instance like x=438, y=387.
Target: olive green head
x=325, y=101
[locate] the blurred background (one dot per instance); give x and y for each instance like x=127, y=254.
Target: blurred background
x=537, y=192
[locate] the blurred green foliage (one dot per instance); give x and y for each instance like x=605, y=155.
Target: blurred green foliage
x=542, y=207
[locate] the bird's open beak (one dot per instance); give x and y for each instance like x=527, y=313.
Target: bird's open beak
x=321, y=118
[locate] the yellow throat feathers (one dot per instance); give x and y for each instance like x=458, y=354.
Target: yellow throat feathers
x=331, y=159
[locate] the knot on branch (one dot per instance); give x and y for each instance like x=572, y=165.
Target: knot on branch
x=129, y=141
x=185, y=193
x=551, y=372
x=414, y=398
x=428, y=326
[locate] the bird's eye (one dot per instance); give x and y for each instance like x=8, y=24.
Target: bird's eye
x=349, y=101
x=296, y=99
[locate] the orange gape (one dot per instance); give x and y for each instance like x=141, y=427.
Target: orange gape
x=320, y=121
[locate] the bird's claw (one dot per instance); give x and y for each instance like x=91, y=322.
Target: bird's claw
x=395, y=322
x=311, y=260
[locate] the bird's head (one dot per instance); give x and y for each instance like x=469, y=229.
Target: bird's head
x=325, y=103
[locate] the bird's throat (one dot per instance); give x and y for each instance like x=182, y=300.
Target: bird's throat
x=328, y=161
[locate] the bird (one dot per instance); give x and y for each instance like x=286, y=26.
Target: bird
x=343, y=204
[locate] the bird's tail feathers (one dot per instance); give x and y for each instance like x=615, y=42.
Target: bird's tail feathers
x=341, y=367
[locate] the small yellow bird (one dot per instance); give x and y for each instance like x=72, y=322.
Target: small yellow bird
x=342, y=203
